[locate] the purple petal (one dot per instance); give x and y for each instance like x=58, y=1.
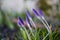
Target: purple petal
x=40, y=13
x=28, y=14
x=20, y=21
x=19, y=24
x=35, y=12
x=27, y=19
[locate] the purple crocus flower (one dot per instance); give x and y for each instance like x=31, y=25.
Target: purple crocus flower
x=38, y=13
x=35, y=12
x=29, y=25
x=28, y=14
x=20, y=22
x=30, y=18
x=27, y=21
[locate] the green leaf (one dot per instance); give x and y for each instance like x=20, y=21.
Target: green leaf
x=1, y=18
x=23, y=34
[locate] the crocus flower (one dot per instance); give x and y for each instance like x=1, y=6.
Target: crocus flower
x=35, y=12
x=38, y=13
x=42, y=16
x=30, y=18
x=28, y=14
x=29, y=25
x=20, y=22
x=27, y=21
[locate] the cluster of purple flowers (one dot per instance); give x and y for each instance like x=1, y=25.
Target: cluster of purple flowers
x=39, y=14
